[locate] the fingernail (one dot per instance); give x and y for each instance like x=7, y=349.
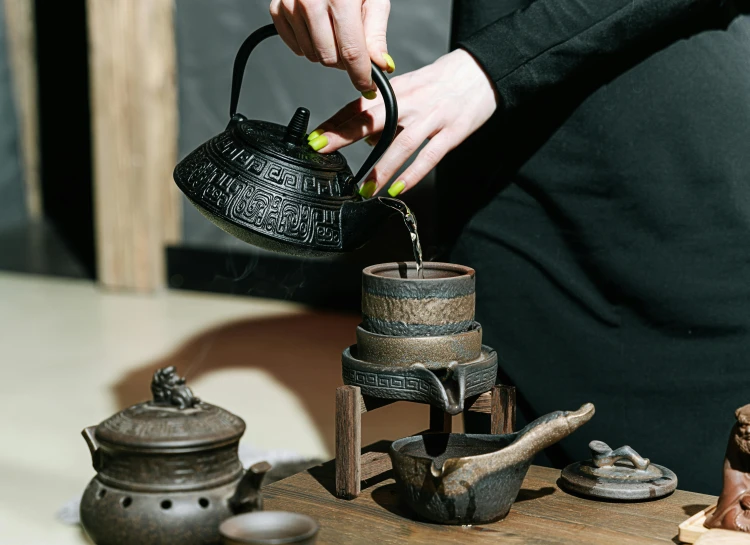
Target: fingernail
x=313, y=135
x=390, y=63
x=318, y=143
x=370, y=95
x=368, y=189
x=396, y=189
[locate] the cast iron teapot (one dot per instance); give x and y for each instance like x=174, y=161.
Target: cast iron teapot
x=262, y=183
x=168, y=472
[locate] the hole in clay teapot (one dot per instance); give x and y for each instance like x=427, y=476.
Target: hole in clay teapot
x=126, y=501
x=166, y=504
x=204, y=503
x=101, y=493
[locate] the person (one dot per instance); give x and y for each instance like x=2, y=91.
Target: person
x=593, y=166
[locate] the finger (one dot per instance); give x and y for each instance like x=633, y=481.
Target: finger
x=376, y=25
x=350, y=38
x=294, y=17
x=320, y=27
x=426, y=161
x=284, y=28
x=346, y=113
x=402, y=148
x=367, y=122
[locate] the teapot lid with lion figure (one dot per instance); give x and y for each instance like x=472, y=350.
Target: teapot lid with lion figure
x=173, y=419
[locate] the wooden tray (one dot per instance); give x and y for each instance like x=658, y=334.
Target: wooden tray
x=692, y=528
x=723, y=537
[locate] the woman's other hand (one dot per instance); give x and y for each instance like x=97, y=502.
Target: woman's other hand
x=444, y=102
x=346, y=34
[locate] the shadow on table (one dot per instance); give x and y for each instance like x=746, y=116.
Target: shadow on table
x=302, y=352
x=325, y=473
x=526, y=494
x=692, y=509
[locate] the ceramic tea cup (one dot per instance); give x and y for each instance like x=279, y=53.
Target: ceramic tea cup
x=395, y=301
x=269, y=528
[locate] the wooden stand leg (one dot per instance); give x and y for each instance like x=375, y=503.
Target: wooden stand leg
x=503, y=412
x=348, y=441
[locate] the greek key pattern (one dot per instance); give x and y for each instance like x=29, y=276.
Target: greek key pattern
x=480, y=378
x=258, y=206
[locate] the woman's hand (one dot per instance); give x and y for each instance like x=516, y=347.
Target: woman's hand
x=444, y=102
x=346, y=34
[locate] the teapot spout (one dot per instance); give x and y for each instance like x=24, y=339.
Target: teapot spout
x=544, y=432
x=360, y=219
x=89, y=435
x=247, y=497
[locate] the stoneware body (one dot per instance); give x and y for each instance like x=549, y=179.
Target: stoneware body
x=474, y=479
x=418, y=340
x=396, y=302
x=262, y=183
x=733, y=509
x=168, y=471
x=432, y=352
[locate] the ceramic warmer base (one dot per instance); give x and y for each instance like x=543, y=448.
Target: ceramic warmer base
x=421, y=385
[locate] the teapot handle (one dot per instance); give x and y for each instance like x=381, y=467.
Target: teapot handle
x=382, y=83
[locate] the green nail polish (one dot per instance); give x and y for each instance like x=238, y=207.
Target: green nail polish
x=368, y=189
x=313, y=135
x=370, y=95
x=390, y=63
x=319, y=143
x=396, y=189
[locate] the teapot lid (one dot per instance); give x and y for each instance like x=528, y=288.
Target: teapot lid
x=288, y=144
x=173, y=419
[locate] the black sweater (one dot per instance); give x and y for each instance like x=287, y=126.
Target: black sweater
x=606, y=208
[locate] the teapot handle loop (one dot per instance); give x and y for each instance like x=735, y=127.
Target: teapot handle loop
x=381, y=81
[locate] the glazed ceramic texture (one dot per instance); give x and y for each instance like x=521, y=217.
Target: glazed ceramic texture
x=395, y=302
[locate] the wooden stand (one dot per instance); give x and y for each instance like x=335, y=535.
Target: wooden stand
x=352, y=467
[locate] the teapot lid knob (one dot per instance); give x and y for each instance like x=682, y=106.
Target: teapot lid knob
x=297, y=128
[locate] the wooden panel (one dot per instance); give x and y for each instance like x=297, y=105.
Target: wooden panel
x=19, y=22
x=542, y=515
x=134, y=124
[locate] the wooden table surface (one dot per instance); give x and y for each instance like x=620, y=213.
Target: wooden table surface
x=542, y=514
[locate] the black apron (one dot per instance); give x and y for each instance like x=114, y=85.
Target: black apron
x=609, y=226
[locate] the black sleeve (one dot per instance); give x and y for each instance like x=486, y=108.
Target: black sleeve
x=535, y=49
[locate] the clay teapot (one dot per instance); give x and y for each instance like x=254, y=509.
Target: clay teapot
x=167, y=471
x=262, y=183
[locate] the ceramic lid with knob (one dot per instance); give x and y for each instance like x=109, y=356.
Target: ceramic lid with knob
x=619, y=474
x=173, y=419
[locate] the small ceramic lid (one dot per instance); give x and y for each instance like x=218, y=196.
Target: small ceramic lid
x=620, y=474
x=174, y=419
